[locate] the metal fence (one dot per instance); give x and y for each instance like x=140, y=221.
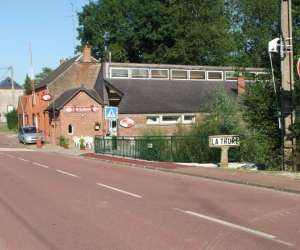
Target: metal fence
x=163, y=148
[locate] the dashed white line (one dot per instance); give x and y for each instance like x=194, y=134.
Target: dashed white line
x=67, y=173
x=22, y=159
x=119, y=190
x=238, y=227
x=40, y=165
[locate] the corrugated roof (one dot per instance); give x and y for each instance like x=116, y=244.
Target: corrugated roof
x=166, y=96
x=7, y=84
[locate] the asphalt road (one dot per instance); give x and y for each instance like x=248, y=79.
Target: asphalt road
x=53, y=201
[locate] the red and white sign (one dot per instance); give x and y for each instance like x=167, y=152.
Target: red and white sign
x=79, y=109
x=46, y=97
x=298, y=67
x=127, y=122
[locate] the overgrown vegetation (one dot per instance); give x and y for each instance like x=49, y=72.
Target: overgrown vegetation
x=229, y=115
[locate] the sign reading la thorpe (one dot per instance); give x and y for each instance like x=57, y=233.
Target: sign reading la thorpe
x=217, y=141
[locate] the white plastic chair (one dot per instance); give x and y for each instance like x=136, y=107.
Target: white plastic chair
x=76, y=141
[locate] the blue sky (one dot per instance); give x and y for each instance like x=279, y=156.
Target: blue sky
x=47, y=25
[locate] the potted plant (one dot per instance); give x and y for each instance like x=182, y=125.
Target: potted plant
x=63, y=142
x=82, y=143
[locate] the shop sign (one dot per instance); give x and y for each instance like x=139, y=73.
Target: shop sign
x=81, y=109
x=127, y=122
x=46, y=97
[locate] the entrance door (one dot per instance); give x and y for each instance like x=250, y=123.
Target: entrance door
x=113, y=131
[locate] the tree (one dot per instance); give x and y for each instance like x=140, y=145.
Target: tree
x=27, y=85
x=42, y=75
x=254, y=23
x=12, y=119
x=158, y=31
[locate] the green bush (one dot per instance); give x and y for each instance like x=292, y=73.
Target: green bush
x=12, y=119
x=63, y=141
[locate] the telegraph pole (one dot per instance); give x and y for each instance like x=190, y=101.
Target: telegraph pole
x=287, y=84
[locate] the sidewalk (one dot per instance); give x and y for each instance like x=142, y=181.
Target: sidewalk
x=278, y=181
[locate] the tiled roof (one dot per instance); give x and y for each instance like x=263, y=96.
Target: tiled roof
x=55, y=73
x=7, y=84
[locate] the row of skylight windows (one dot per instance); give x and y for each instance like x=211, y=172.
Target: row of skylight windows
x=176, y=74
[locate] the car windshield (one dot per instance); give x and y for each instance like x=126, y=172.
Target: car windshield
x=29, y=130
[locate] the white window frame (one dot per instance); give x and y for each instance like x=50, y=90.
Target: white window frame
x=130, y=73
x=193, y=70
x=149, y=122
x=188, y=121
x=230, y=79
x=168, y=77
x=214, y=71
x=170, y=122
x=119, y=77
x=180, y=79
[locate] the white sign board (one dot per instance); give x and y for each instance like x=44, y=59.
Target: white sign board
x=217, y=141
x=111, y=113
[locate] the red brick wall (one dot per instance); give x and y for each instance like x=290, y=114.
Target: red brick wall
x=83, y=122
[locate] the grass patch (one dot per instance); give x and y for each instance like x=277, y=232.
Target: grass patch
x=5, y=129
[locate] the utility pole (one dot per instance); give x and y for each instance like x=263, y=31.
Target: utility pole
x=287, y=84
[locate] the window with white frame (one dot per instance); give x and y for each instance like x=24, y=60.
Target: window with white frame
x=160, y=73
x=189, y=118
x=139, y=73
x=119, y=73
x=231, y=75
x=197, y=75
x=215, y=75
x=152, y=120
x=179, y=74
x=170, y=119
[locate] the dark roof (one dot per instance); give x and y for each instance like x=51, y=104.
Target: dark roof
x=166, y=96
x=7, y=82
x=55, y=73
x=102, y=85
x=65, y=97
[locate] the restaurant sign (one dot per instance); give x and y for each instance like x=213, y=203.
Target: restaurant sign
x=81, y=109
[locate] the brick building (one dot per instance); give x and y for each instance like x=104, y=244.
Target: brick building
x=148, y=96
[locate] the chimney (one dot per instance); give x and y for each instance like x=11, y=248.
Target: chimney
x=241, y=85
x=61, y=61
x=86, y=54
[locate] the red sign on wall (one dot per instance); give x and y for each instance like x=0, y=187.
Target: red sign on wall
x=80, y=109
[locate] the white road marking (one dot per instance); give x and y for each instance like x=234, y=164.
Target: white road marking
x=119, y=190
x=15, y=150
x=22, y=159
x=67, y=173
x=40, y=165
x=235, y=226
x=11, y=156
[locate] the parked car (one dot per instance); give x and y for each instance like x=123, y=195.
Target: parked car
x=28, y=135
